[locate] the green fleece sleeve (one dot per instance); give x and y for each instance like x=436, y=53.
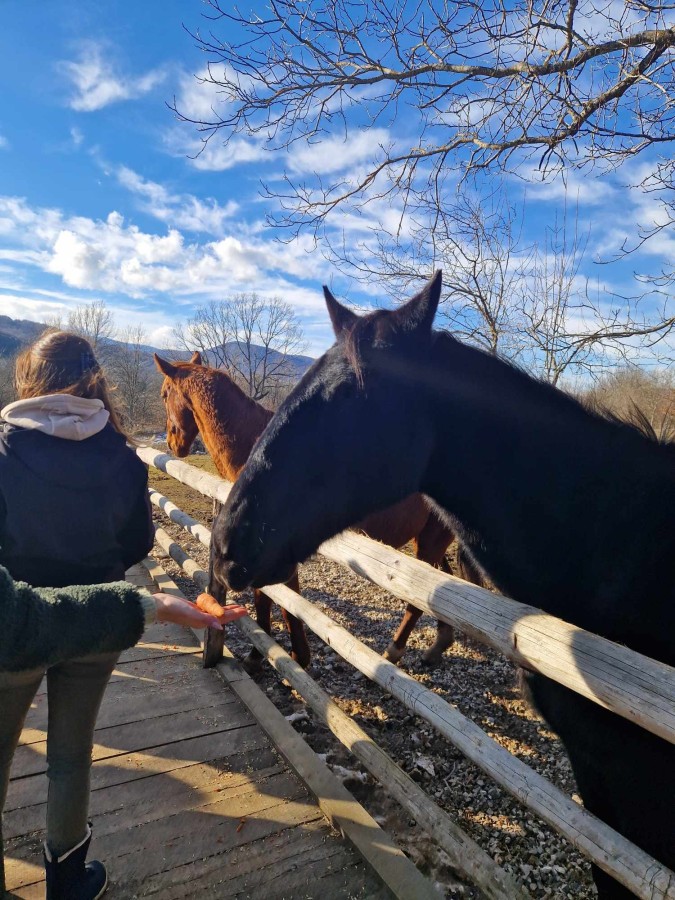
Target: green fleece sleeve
x=44, y=626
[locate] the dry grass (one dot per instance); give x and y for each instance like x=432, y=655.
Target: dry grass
x=183, y=496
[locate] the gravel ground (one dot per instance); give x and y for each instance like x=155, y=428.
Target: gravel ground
x=480, y=682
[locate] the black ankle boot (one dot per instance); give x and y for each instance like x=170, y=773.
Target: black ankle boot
x=70, y=878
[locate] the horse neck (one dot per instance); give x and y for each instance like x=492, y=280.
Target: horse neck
x=229, y=422
x=546, y=494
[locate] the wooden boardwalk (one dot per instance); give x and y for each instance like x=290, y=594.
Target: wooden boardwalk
x=189, y=798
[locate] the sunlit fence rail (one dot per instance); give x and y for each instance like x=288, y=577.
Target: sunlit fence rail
x=640, y=689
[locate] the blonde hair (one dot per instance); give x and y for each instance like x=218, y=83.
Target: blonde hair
x=59, y=362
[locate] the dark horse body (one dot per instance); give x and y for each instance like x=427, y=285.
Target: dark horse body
x=199, y=399
x=542, y=492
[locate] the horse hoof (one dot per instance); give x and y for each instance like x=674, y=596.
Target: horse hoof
x=252, y=664
x=393, y=654
x=432, y=658
x=302, y=659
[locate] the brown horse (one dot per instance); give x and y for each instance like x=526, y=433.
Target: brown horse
x=205, y=401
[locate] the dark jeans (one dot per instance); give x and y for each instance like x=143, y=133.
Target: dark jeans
x=74, y=692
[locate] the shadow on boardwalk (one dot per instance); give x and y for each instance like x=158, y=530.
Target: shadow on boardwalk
x=188, y=796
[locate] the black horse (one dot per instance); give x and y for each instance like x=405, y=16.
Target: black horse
x=562, y=508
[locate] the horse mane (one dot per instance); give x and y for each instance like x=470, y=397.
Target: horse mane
x=354, y=338
x=635, y=419
x=365, y=330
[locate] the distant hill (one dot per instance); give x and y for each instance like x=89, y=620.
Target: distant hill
x=18, y=333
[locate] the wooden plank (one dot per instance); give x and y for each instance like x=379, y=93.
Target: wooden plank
x=195, y=528
x=25, y=794
x=129, y=702
x=621, y=680
x=161, y=795
x=144, y=668
x=141, y=736
x=208, y=485
x=207, y=851
x=297, y=863
x=141, y=850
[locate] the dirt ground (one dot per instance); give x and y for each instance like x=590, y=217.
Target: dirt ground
x=480, y=682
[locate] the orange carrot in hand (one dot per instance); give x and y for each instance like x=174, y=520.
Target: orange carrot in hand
x=210, y=605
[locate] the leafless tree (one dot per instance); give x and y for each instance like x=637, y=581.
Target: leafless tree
x=479, y=246
x=482, y=87
x=129, y=368
x=628, y=389
x=94, y=321
x=527, y=302
x=569, y=326
x=486, y=84
x=252, y=338
x=7, y=364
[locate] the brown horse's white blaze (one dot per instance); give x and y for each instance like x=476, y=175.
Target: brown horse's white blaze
x=205, y=401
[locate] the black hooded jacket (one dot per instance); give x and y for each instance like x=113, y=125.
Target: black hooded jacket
x=71, y=512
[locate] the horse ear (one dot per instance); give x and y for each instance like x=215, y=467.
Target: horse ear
x=196, y=358
x=342, y=319
x=165, y=367
x=417, y=315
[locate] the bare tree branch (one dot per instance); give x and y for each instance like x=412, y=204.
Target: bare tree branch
x=485, y=84
x=527, y=302
x=252, y=338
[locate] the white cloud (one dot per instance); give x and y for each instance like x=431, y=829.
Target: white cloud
x=114, y=256
x=178, y=210
x=96, y=83
x=588, y=189
x=17, y=306
x=4, y=143
x=76, y=136
x=214, y=155
x=337, y=153
x=200, y=100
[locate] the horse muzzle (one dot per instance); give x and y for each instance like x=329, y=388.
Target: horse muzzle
x=236, y=577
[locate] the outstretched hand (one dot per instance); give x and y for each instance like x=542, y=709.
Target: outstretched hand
x=184, y=612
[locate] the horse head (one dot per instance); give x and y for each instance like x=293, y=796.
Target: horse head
x=181, y=427
x=349, y=440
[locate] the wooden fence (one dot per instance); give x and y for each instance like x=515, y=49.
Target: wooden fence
x=616, y=678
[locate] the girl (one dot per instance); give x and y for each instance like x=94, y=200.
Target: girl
x=74, y=509
x=42, y=627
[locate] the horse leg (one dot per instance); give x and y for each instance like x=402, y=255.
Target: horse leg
x=263, y=616
x=396, y=649
x=299, y=645
x=263, y=613
x=432, y=542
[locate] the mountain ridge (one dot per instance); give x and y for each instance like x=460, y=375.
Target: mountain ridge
x=15, y=334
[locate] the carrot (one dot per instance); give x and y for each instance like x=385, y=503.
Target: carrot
x=210, y=605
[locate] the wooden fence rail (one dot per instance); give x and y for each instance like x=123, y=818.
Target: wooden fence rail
x=621, y=680
x=634, y=868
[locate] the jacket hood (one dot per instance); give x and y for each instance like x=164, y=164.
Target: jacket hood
x=58, y=415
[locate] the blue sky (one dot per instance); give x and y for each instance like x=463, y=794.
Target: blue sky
x=100, y=198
